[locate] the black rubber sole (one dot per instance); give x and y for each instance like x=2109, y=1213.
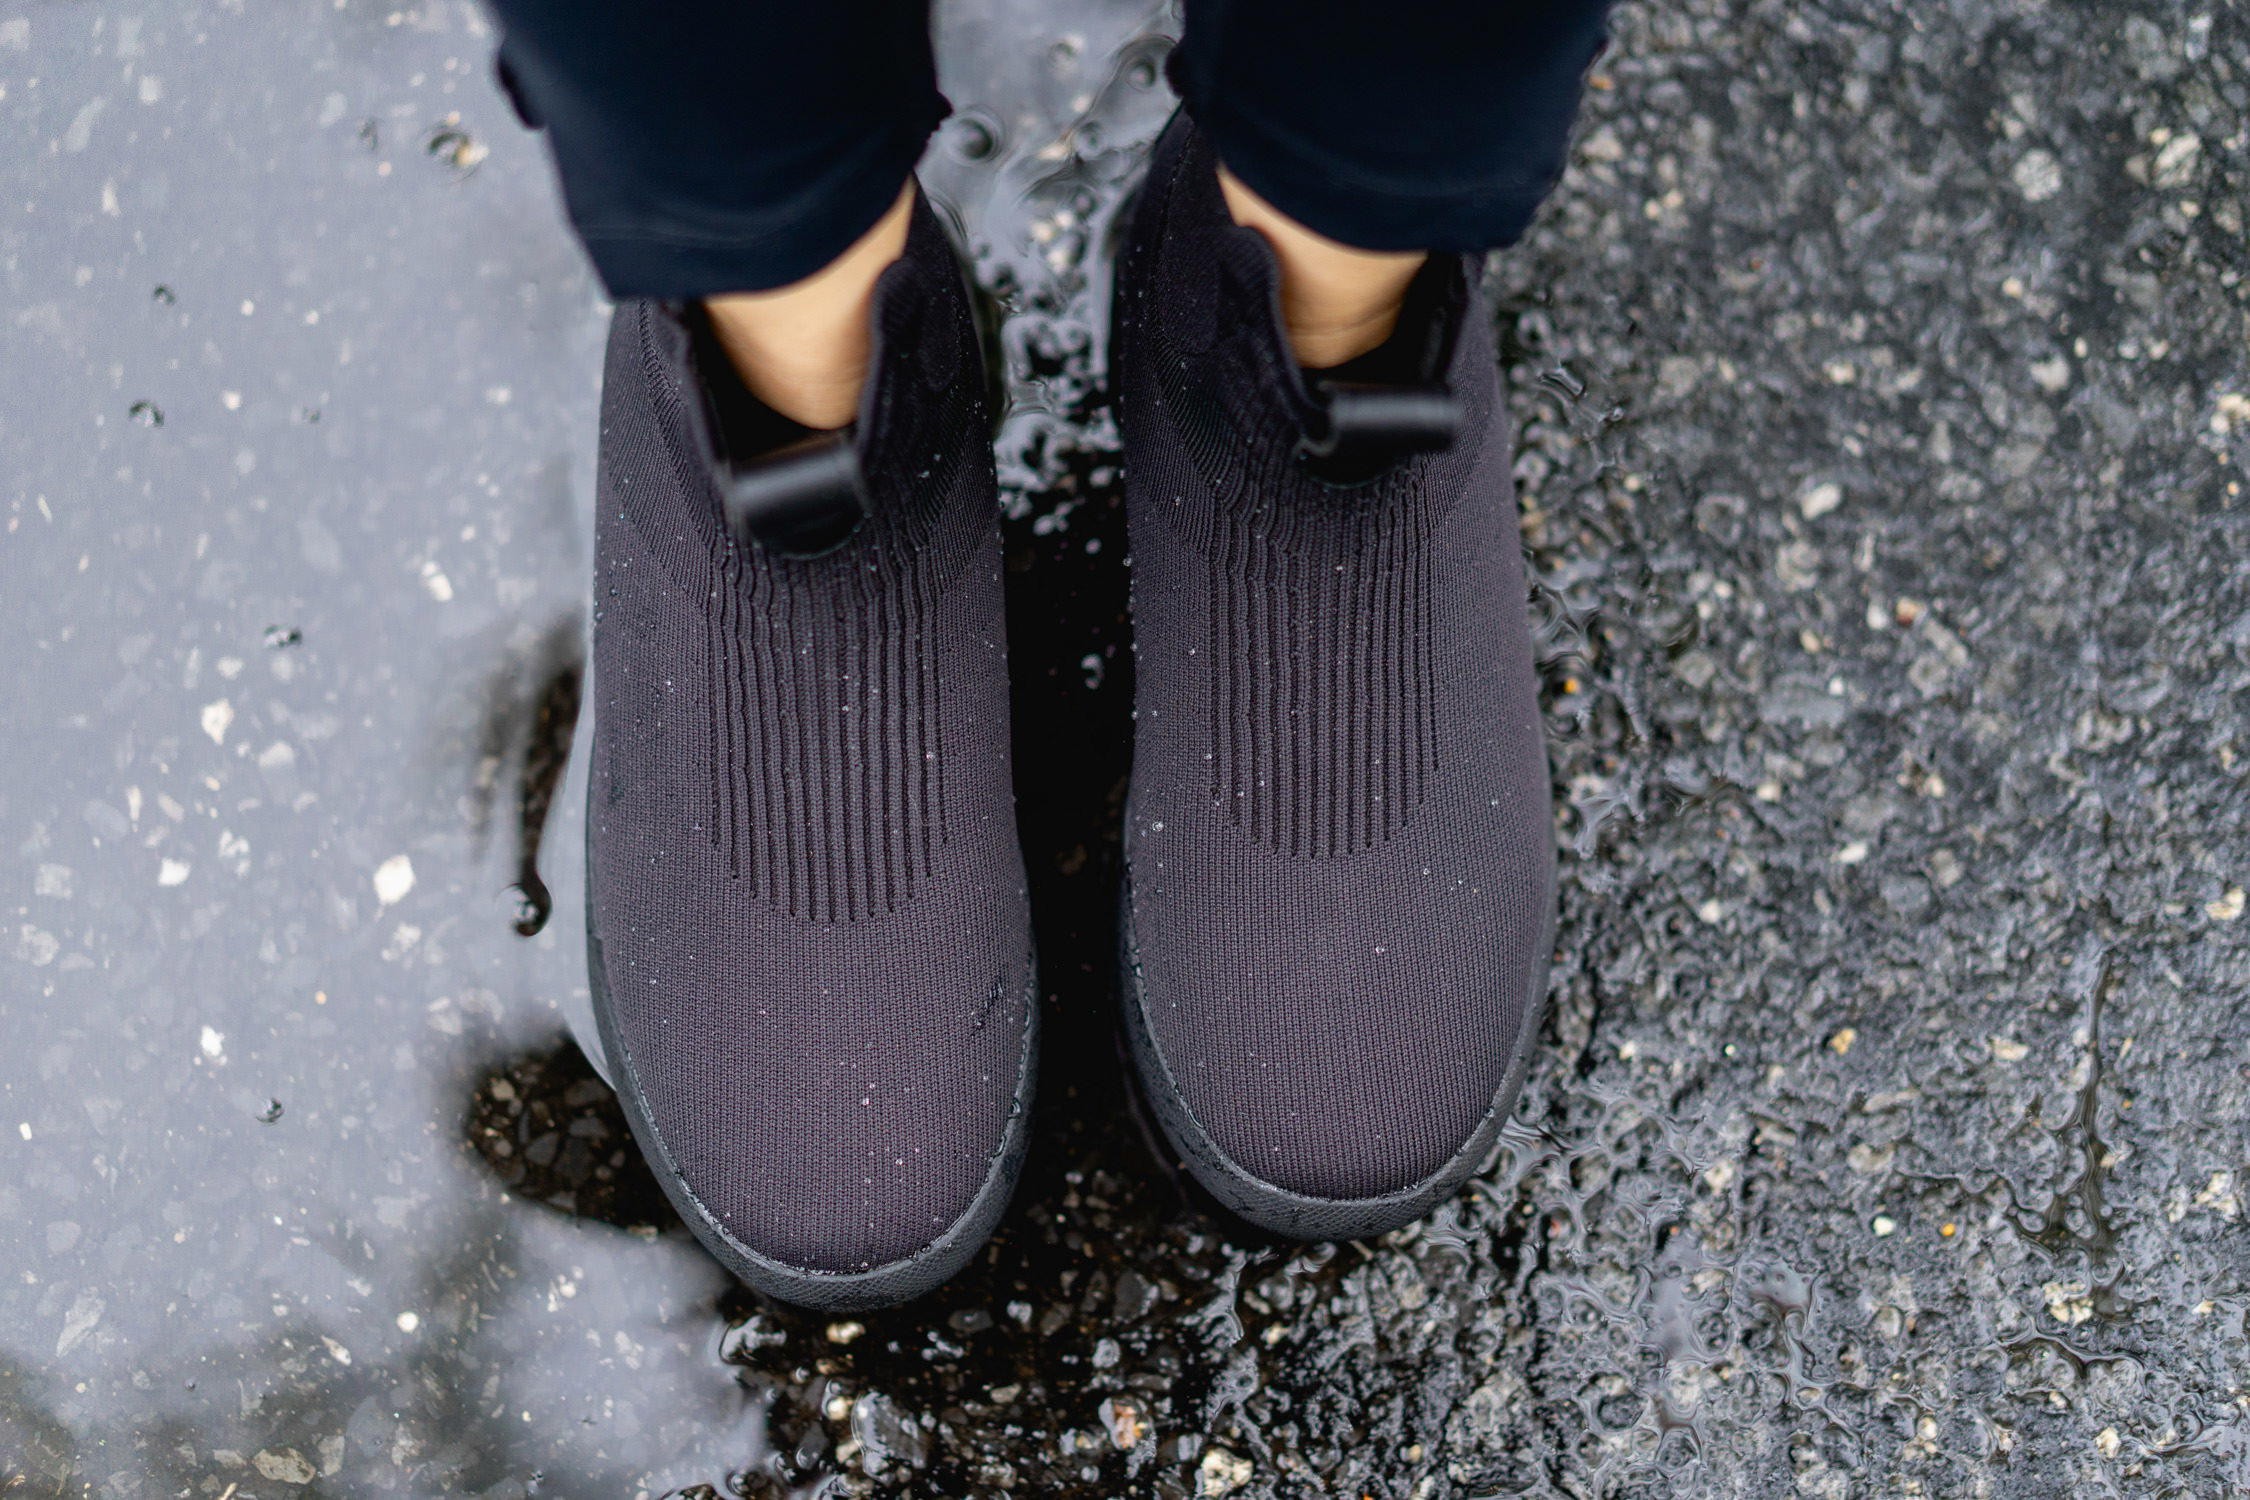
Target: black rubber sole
x=1277, y=1210
x=825, y=1291
x=1193, y=1196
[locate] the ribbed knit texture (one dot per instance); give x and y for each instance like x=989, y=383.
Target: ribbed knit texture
x=1339, y=840
x=827, y=727
x=806, y=888
x=1322, y=737
x=828, y=755
x=824, y=698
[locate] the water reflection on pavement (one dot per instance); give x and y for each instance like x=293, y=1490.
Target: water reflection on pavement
x=1884, y=423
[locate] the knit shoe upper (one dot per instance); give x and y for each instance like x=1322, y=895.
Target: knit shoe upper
x=1339, y=842
x=809, y=935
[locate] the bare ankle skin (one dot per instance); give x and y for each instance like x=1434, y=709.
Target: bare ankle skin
x=1336, y=301
x=802, y=349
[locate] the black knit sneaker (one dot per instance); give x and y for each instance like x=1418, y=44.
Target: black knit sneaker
x=1339, y=891
x=808, y=931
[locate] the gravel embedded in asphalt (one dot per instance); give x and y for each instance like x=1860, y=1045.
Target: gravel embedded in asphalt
x=1884, y=386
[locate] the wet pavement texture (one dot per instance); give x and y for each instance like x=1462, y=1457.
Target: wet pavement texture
x=1884, y=381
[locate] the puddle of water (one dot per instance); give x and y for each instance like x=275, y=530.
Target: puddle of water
x=1912, y=1165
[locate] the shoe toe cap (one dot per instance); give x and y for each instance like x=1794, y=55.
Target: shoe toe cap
x=1337, y=1080
x=1309, y=1099
x=846, y=1147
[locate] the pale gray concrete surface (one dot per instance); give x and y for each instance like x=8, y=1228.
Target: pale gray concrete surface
x=1884, y=380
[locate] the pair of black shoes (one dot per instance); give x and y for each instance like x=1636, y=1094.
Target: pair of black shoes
x=809, y=938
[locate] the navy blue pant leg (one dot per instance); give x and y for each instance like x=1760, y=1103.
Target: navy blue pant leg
x=710, y=146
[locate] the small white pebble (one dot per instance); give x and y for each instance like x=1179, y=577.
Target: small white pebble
x=1884, y=1226
x=214, y=1043
x=2227, y=907
x=1220, y=1473
x=2038, y=176
x=2068, y=1302
x=217, y=719
x=1852, y=853
x=1820, y=500
x=2219, y=1196
x=172, y=872
x=408, y=1322
x=394, y=877
x=2175, y=162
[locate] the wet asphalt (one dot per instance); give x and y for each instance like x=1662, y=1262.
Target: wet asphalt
x=1883, y=374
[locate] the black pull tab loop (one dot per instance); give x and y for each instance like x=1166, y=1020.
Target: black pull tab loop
x=1362, y=425
x=784, y=489
x=802, y=500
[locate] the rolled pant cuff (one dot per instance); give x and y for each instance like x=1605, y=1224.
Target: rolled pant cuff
x=1368, y=210
x=681, y=251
